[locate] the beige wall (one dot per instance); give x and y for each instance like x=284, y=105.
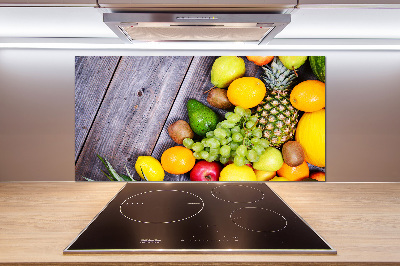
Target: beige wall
x=37, y=112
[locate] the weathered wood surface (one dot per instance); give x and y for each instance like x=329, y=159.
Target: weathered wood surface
x=132, y=113
x=197, y=82
x=92, y=77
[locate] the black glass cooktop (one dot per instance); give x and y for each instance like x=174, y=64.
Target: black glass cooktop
x=198, y=217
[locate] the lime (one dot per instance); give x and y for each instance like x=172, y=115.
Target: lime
x=232, y=172
x=271, y=160
x=150, y=167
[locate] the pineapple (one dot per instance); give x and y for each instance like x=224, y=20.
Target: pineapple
x=277, y=118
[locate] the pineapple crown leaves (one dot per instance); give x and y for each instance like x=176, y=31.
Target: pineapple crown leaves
x=112, y=175
x=277, y=76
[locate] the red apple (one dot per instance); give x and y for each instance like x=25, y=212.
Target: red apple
x=250, y=165
x=205, y=171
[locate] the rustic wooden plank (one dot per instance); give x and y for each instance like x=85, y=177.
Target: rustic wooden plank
x=132, y=113
x=197, y=81
x=92, y=77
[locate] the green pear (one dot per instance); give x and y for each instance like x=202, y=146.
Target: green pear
x=271, y=160
x=226, y=69
x=293, y=62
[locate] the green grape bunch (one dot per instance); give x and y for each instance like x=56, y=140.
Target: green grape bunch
x=235, y=139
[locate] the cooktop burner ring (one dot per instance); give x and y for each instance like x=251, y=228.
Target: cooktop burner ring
x=261, y=226
x=254, y=197
x=195, y=203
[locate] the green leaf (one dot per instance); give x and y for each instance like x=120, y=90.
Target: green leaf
x=129, y=174
x=87, y=179
x=127, y=178
x=109, y=177
x=113, y=173
x=110, y=169
x=103, y=161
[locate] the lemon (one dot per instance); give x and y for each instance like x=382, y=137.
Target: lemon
x=232, y=172
x=310, y=133
x=151, y=168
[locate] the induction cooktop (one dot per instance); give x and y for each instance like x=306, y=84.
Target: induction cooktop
x=198, y=217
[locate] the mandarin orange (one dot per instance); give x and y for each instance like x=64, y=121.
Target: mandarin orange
x=296, y=173
x=308, y=96
x=177, y=160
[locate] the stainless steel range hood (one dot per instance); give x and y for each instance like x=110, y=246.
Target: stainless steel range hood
x=258, y=28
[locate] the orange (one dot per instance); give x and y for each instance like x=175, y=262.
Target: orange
x=177, y=160
x=310, y=133
x=319, y=176
x=308, y=96
x=296, y=173
x=246, y=92
x=260, y=60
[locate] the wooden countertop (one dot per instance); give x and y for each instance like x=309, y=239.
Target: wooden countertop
x=360, y=220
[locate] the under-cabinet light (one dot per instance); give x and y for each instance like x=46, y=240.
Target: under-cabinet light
x=276, y=44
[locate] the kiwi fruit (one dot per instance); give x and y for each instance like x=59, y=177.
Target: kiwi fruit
x=218, y=98
x=180, y=130
x=293, y=153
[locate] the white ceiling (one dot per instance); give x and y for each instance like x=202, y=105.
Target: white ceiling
x=79, y=22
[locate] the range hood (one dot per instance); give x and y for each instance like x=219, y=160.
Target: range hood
x=228, y=27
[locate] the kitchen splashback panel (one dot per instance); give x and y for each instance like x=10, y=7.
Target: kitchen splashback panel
x=124, y=106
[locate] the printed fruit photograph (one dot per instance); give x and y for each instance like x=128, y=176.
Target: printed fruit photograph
x=200, y=118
